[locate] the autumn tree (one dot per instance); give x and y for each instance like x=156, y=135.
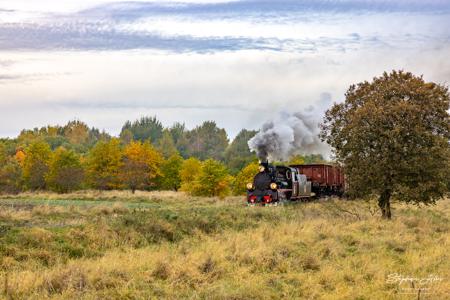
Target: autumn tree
x=76, y=132
x=213, y=180
x=103, y=165
x=392, y=135
x=245, y=176
x=10, y=172
x=65, y=171
x=141, y=166
x=238, y=154
x=10, y=176
x=170, y=173
x=35, y=165
x=190, y=169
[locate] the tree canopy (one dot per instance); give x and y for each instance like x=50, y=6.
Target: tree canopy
x=141, y=166
x=66, y=173
x=104, y=164
x=146, y=128
x=207, y=141
x=35, y=165
x=392, y=135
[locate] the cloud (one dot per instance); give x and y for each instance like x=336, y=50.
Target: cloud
x=237, y=63
x=285, y=25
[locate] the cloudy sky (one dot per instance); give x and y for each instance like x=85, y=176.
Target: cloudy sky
x=235, y=62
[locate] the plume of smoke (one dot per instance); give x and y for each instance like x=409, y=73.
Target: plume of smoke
x=291, y=133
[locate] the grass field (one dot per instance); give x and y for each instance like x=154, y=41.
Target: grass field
x=115, y=245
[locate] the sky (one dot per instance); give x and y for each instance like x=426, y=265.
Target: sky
x=238, y=63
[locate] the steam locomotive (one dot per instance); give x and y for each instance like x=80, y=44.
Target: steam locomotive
x=274, y=184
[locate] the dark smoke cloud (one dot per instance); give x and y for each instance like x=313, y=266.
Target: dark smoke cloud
x=292, y=133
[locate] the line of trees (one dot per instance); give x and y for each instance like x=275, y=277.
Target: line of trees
x=146, y=156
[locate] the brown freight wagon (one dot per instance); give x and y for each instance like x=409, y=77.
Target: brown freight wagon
x=325, y=179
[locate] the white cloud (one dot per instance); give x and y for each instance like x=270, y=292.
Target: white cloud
x=191, y=69
x=238, y=90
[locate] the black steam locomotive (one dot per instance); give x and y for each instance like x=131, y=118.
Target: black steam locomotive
x=274, y=184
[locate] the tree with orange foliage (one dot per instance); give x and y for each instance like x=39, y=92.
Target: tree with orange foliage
x=20, y=157
x=141, y=166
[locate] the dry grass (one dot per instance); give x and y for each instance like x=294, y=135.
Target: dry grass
x=306, y=251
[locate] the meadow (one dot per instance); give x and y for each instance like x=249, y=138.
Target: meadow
x=167, y=245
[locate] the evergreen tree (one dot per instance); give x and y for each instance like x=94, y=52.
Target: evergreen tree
x=144, y=129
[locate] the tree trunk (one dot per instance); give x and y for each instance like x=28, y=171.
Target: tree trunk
x=384, y=204
x=133, y=190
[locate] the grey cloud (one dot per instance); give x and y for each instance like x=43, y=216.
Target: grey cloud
x=104, y=36
x=135, y=10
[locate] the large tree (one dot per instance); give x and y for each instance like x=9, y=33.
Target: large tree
x=212, y=180
x=103, y=165
x=141, y=166
x=66, y=173
x=170, y=169
x=207, y=141
x=35, y=165
x=392, y=135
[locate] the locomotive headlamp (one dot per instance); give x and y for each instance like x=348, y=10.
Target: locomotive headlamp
x=249, y=186
x=273, y=186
